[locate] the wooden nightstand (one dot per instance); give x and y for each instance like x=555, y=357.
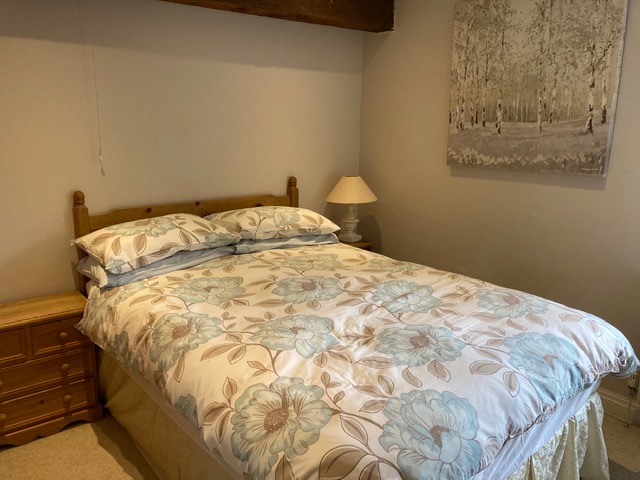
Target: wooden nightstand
x=363, y=244
x=48, y=375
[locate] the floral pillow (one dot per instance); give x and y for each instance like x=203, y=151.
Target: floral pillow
x=263, y=223
x=126, y=246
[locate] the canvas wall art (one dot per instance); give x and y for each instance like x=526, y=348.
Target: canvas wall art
x=534, y=84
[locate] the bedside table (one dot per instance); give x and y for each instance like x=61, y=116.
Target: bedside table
x=363, y=244
x=48, y=375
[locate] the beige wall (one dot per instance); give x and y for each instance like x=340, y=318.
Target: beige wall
x=571, y=239
x=193, y=103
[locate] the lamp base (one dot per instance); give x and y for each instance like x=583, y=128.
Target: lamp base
x=349, y=223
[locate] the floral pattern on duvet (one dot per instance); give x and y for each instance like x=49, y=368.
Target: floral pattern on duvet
x=331, y=362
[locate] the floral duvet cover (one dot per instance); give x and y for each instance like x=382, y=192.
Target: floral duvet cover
x=329, y=362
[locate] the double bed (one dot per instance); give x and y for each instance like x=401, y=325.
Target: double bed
x=240, y=339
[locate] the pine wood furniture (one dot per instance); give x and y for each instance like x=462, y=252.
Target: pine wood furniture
x=48, y=374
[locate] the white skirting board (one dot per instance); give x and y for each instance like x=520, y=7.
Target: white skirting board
x=618, y=406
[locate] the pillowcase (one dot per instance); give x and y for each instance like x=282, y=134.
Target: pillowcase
x=90, y=267
x=264, y=223
x=253, y=246
x=127, y=246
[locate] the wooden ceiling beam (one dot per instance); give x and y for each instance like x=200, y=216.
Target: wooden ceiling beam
x=365, y=15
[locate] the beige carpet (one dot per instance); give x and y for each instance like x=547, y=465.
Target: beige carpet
x=91, y=451
x=623, y=444
x=103, y=450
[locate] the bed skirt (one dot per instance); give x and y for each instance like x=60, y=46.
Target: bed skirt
x=173, y=449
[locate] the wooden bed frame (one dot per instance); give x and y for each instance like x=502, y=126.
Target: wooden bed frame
x=121, y=393
x=84, y=223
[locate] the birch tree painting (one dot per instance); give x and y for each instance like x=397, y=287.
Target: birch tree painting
x=534, y=84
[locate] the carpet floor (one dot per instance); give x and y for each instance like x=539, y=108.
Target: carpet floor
x=84, y=451
x=104, y=451
x=618, y=472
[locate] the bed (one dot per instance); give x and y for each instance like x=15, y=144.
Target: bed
x=239, y=339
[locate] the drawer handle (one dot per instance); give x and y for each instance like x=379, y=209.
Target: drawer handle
x=64, y=368
x=66, y=400
x=3, y=418
x=63, y=336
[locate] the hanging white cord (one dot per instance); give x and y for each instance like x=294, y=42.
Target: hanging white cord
x=95, y=89
x=85, y=35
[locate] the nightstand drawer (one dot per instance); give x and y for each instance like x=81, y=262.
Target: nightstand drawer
x=30, y=409
x=48, y=372
x=13, y=346
x=56, y=336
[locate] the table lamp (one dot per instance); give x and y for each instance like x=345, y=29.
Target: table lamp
x=351, y=190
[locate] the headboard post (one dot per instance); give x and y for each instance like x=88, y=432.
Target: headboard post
x=80, y=215
x=293, y=192
x=80, y=228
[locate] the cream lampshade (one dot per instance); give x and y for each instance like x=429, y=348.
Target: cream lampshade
x=351, y=190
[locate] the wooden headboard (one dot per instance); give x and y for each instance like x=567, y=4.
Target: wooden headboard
x=84, y=223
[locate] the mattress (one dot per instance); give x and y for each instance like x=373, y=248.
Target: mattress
x=573, y=449
x=325, y=361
